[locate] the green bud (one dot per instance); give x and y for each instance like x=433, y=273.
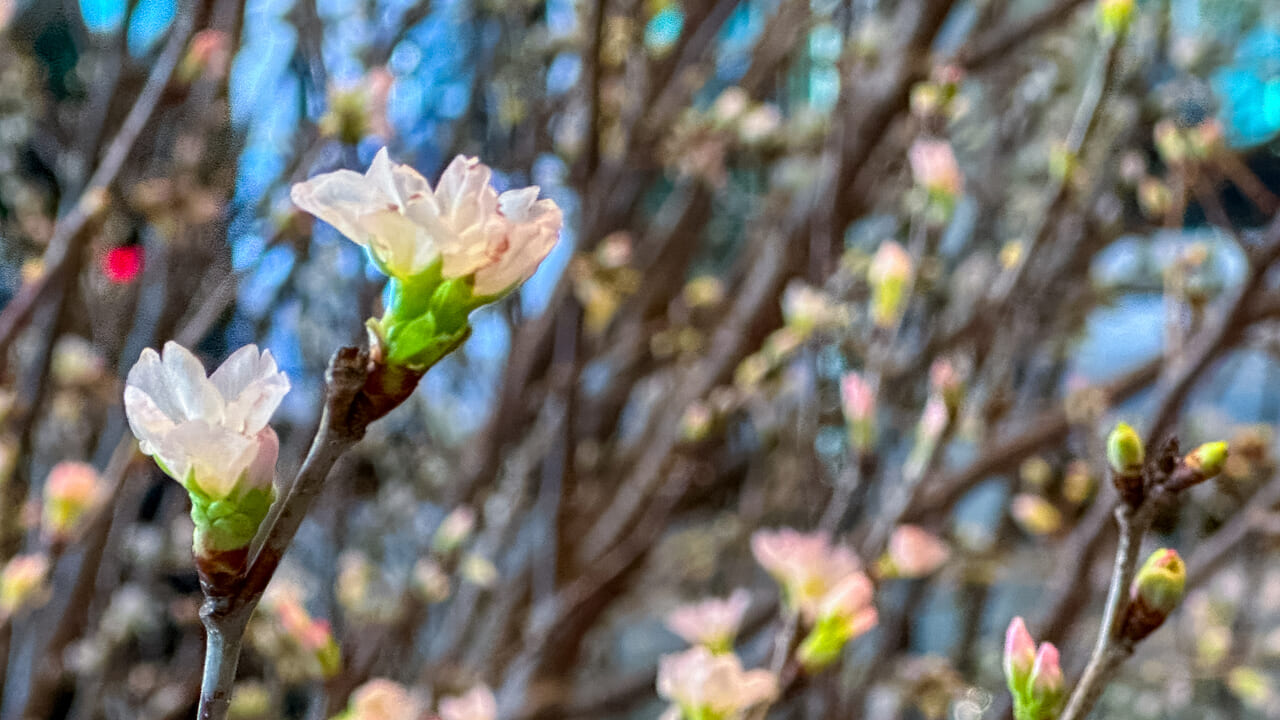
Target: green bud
x=1208, y=459
x=1124, y=450
x=1156, y=591
x=1114, y=17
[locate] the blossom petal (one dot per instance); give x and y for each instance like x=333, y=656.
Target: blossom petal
x=399, y=244
x=252, y=388
x=340, y=198
x=528, y=243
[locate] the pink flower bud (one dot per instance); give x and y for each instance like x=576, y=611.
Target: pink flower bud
x=1019, y=654
x=1046, y=674
x=71, y=490
x=934, y=167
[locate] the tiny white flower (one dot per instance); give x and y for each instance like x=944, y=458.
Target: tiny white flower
x=212, y=430
x=713, y=622
x=499, y=240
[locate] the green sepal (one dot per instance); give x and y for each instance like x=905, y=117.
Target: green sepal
x=229, y=523
x=410, y=297
x=824, y=643
x=419, y=344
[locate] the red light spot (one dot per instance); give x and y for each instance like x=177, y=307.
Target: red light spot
x=123, y=264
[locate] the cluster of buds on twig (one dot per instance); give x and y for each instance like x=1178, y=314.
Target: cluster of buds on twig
x=824, y=584
x=1034, y=675
x=1134, y=479
x=1156, y=591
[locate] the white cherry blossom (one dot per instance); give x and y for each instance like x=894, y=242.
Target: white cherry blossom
x=209, y=431
x=498, y=239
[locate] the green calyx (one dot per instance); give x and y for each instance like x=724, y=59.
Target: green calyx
x=425, y=319
x=228, y=523
x=824, y=643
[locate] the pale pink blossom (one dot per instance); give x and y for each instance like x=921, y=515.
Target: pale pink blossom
x=915, y=552
x=700, y=681
x=934, y=167
x=497, y=240
x=477, y=704
x=71, y=490
x=209, y=433
x=713, y=622
x=382, y=699
x=806, y=565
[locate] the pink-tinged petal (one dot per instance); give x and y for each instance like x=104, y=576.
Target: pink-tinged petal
x=340, y=198
x=916, y=552
x=712, y=622
x=262, y=470
x=528, y=243
x=849, y=597
x=252, y=387
x=464, y=193
x=1046, y=673
x=517, y=205
x=700, y=679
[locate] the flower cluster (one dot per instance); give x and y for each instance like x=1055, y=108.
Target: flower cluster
x=824, y=584
x=210, y=433
x=1034, y=675
x=447, y=250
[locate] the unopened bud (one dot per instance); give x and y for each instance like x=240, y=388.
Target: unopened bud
x=454, y=530
x=858, y=401
x=1208, y=459
x=478, y=570
x=1046, y=684
x=1019, y=657
x=888, y=275
x=1156, y=591
x=22, y=583
x=1114, y=17
x=430, y=581
x=1126, y=457
x=70, y=492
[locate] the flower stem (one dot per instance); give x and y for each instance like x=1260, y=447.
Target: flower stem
x=221, y=656
x=1110, y=649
